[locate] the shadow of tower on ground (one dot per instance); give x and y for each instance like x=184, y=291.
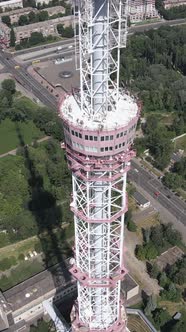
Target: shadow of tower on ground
x=48, y=217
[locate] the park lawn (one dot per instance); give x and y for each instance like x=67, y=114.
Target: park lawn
x=21, y=272
x=172, y=307
x=180, y=143
x=21, y=247
x=9, y=137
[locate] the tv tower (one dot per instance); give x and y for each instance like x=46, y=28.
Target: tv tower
x=99, y=127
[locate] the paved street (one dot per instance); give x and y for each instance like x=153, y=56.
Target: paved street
x=28, y=81
x=151, y=184
x=155, y=25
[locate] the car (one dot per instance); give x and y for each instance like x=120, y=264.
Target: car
x=156, y=193
x=168, y=196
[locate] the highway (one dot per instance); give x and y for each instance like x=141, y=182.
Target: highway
x=29, y=83
x=131, y=30
x=64, y=42
x=155, y=25
x=151, y=184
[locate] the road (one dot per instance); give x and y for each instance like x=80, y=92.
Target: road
x=132, y=30
x=151, y=184
x=156, y=25
x=46, y=46
x=26, y=80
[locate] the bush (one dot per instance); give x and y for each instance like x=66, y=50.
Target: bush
x=154, y=271
x=7, y=263
x=171, y=293
x=38, y=247
x=161, y=317
x=21, y=257
x=131, y=226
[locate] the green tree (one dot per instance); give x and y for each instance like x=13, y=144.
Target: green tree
x=140, y=252
x=171, y=293
x=36, y=38
x=161, y=317
x=12, y=37
x=131, y=226
x=60, y=29
x=162, y=279
x=172, y=180
x=150, y=251
x=154, y=271
x=8, y=85
x=6, y=20
x=180, y=325
x=43, y=15
x=23, y=20
x=32, y=17
x=172, y=235
x=151, y=305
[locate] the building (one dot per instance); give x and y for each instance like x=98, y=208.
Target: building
x=16, y=13
x=140, y=10
x=42, y=2
x=129, y=287
x=46, y=28
x=23, y=304
x=169, y=257
x=173, y=3
x=55, y=10
x=11, y=4
x=4, y=35
x=99, y=122
x=141, y=200
x=21, y=32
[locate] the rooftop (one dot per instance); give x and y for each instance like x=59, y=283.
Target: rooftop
x=140, y=198
x=18, y=11
x=128, y=283
x=169, y=257
x=43, y=24
x=10, y=2
x=127, y=110
x=39, y=285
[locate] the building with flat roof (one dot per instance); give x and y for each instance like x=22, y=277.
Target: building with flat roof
x=129, y=287
x=11, y=4
x=16, y=13
x=46, y=28
x=141, y=200
x=4, y=35
x=140, y=10
x=173, y=3
x=23, y=303
x=42, y=2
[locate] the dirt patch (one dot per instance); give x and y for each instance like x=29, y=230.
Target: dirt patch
x=137, y=268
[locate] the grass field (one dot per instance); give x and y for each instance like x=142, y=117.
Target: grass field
x=20, y=273
x=136, y=324
x=22, y=247
x=180, y=143
x=172, y=307
x=9, y=139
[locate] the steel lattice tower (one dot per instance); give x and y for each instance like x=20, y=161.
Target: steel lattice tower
x=99, y=126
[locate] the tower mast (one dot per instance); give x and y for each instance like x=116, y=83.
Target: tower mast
x=99, y=126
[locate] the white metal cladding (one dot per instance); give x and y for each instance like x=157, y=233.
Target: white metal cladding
x=99, y=246
x=102, y=32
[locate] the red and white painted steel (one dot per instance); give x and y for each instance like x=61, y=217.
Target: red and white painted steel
x=99, y=126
